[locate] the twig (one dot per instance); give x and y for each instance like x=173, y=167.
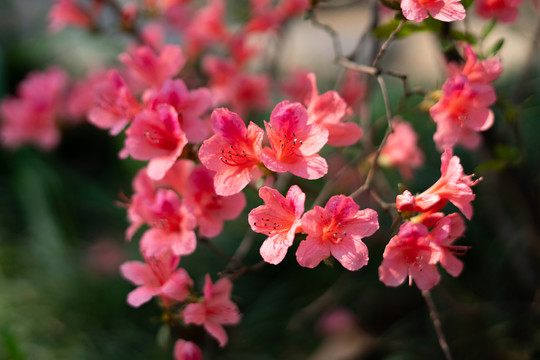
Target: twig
x=220, y=252
x=436, y=323
x=386, y=43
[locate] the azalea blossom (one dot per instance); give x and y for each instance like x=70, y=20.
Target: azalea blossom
x=401, y=149
x=483, y=71
x=215, y=310
x=156, y=136
x=453, y=186
x=189, y=104
x=445, y=232
x=172, y=225
x=337, y=230
x=411, y=254
x=328, y=110
x=210, y=208
x=267, y=17
x=69, y=13
x=505, y=11
x=294, y=143
x=114, y=105
x=158, y=276
x=186, y=350
x=443, y=10
x=463, y=106
x=207, y=27
x=154, y=69
x=234, y=152
x=280, y=219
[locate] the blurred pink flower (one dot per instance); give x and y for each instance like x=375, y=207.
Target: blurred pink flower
x=505, y=11
x=294, y=142
x=215, y=310
x=337, y=229
x=234, y=152
x=280, y=219
x=207, y=27
x=401, y=149
x=186, y=350
x=266, y=16
x=69, y=13
x=158, y=276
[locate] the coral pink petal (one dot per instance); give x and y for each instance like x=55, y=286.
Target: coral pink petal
x=393, y=272
x=195, y=314
x=137, y=272
x=141, y=295
x=427, y=278
x=343, y=134
x=350, y=253
x=217, y=332
x=451, y=11
x=273, y=251
x=310, y=253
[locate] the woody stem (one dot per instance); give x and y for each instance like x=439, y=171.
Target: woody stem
x=434, y=315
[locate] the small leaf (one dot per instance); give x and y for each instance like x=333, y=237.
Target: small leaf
x=466, y=3
x=163, y=336
x=487, y=29
x=495, y=48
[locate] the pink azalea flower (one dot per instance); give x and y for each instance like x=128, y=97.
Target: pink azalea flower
x=141, y=205
x=115, y=106
x=210, y=208
x=267, y=17
x=483, y=72
x=328, y=110
x=297, y=86
x=31, y=117
x=215, y=310
x=231, y=85
x=234, y=152
x=464, y=105
x=354, y=89
x=206, y=28
x=172, y=225
x=505, y=11
x=410, y=254
x=443, y=10
x=68, y=13
x=401, y=149
x=280, y=219
x=186, y=350
x=80, y=99
x=190, y=106
x=156, y=136
x=337, y=230
x=151, y=68
x=159, y=276
x=453, y=186
x=445, y=232
x=294, y=143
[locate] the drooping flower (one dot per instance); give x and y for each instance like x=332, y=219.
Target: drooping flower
x=294, y=143
x=186, y=350
x=337, y=230
x=410, y=254
x=463, y=106
x=114, y=105
x=189, y=104
x=280, y=219
x=158, y=276
x=210, y=208
x=156, y=136
x=215, y=310
x=328, y=110
x=401, y=149
x=154, y=69
x=234, y=152
x=443, y=10
x=453, y=186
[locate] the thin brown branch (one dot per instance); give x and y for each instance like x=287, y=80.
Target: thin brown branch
x=384, y=46
x=434, y=315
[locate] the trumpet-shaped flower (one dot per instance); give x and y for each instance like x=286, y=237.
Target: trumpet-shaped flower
x=156, y=136
x=411, y=254
x=158, y=276
x=210, y=208
x=234, y=152
x=215, y=310
x=443, y=10
x=328, y=110
x=337, y=230
x=453, y=186
x=294, y=143
x=280, y=219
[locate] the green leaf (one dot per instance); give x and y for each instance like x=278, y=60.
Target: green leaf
x=486, y=30
x=384, y=31
x=163, y=336
x=495, y=48
x=466, y=3
x=466, y=37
